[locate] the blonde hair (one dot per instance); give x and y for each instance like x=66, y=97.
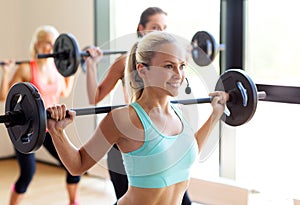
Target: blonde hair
x=142, y=52
x=38, y=34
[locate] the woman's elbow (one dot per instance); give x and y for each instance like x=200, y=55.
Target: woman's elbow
x=92, y=101
x=76, y=172
x=65, y=93
x=2, y=99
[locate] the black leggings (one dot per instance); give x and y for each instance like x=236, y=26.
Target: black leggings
x=119, y=178
x=27, y=164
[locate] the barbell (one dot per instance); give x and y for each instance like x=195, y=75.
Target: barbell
x=204, y=49
x=25, y=115
x=68, y=57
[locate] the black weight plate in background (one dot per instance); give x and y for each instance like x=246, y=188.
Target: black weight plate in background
x=203, y=48
x=68, y=57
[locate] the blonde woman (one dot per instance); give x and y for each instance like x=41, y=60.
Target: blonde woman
x=157, y=143
x=43, y=74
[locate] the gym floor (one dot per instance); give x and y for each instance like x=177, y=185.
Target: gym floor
x=48, y=186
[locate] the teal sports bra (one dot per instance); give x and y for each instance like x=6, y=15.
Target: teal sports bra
x=162, y=160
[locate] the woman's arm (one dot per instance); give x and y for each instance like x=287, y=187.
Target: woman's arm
x=96, y=55
x=68, y=86
x=218, y=104
x=79, y=160
x=22, y=74
x=96, y=93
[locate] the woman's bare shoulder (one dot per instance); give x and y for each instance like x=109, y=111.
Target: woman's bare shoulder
x=23, y=73
x=123, y=120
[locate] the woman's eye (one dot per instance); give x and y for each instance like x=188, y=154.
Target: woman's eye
x=169, y=66
x=182, y=66
x=156, y=28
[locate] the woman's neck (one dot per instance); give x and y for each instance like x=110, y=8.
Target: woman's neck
x=154, y=100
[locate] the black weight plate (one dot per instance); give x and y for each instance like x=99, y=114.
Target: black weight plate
x=68, y=57
x=240, y=113
x=203, y=48
x=30, y=136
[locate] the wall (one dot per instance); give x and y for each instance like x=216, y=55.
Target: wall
x=19, y=19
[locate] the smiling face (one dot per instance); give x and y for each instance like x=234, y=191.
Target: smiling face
x=156, y=66
x=166, y=70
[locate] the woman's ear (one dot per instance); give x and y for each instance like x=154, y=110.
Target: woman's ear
x=141, y=69
x=141, y=29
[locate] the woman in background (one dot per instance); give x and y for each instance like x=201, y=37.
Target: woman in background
x=43, y=74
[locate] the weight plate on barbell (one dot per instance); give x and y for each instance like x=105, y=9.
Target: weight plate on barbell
x=30, y=136
x=68, y=54
x=242, y=108
x=203, y=48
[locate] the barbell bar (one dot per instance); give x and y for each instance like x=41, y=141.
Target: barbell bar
x=63, y=54
x=68, y=57
x=105, y=52
x=16, y=63
x=25, y=115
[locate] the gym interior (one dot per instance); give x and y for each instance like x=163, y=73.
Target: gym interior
x=250, y=164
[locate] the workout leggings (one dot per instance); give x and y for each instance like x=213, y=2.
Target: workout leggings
x=27, y=164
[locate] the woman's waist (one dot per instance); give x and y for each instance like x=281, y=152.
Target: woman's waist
x=150, y=196
x=160, y=180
